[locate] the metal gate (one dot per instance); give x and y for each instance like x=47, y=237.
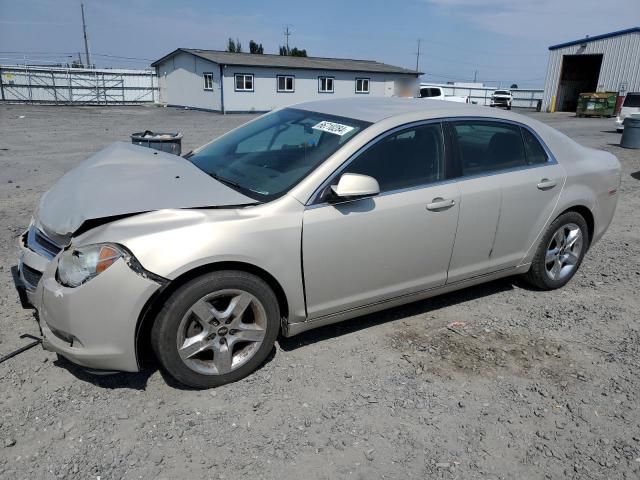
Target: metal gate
x=77, y=85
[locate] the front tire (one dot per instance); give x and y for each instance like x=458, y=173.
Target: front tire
x=216, y=329
x=560, y=252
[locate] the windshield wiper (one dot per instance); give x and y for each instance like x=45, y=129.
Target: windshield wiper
x=233, y=184
x=226, y=181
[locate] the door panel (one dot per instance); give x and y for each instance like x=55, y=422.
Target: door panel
x=369, y=250
x=525, y=211
x=501, y=217
x=509, y=187
x=479, y=215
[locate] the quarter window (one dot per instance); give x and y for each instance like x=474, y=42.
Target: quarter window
x=325, y=84
x=362, y=85
x=208, y=81
x=285, y=83
x=409, y=158
x=534, y=151
x=488, y=146
x=244, y=82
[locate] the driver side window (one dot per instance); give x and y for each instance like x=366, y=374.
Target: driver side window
x=405, y=159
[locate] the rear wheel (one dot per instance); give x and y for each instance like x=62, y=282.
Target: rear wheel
x=560, y=252
x=216, y=329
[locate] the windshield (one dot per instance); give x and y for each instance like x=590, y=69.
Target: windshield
x=267, y=157
x=501, y=92
x=632, y=100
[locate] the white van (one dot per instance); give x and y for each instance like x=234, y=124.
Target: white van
x=631, y=105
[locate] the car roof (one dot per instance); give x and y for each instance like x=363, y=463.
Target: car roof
x=374, y=109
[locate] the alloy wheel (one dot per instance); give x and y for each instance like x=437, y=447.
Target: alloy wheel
x=221, y=332
x=564, y=251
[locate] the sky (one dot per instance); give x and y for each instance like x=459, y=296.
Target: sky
x=498, y=42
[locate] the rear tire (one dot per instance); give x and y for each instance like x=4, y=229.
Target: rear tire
x=560, y=252
x=216, y=329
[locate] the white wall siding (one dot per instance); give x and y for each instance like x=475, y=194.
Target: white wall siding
x=181, y=80
x=620, y=64
x=265, y=96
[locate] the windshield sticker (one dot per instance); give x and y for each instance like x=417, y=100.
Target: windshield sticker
x=335, y=128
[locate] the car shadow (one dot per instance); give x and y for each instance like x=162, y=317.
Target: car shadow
x=399, y=313
x=132, y=381
x=139, y=380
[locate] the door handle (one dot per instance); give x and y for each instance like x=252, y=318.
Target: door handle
x=440, y=203
x=546, y=184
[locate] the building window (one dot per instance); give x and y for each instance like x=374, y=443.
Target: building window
x=285, y=83
x=208, y=81
x=325, y=84
x=244, y=82
x=362, y=85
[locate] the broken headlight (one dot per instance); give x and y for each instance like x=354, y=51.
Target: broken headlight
x=79, y=265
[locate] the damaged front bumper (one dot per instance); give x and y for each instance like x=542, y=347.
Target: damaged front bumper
x=93, y=325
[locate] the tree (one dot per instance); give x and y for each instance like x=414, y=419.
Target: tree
x=514, y=85
x=234, y=47
x=293, y=52
x=255, y=47
x=298, y=53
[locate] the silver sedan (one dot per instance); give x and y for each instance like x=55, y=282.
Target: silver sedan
x=306, y=216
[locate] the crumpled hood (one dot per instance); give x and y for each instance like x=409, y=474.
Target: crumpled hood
x=126, y=179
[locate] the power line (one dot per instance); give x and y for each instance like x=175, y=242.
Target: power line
x=56, y=54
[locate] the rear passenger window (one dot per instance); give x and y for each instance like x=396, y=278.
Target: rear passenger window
x=534, y=151
x=409, y=158
x=488, y=146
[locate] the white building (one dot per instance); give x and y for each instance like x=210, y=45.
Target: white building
x=244, y=82
x=603, y=63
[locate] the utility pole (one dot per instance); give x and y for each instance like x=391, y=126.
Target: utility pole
x=287, y=34
x=86, y=42
x=475, y=76
x=418, y=56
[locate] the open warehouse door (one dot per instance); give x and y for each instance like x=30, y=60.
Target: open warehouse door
x=579, y=75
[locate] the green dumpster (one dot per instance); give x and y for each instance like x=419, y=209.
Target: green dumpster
x=601, y=104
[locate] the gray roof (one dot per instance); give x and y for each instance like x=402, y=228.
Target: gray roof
x=375, y=109
x=307, y=63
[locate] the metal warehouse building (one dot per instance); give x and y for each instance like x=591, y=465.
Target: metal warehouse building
x=603, y=63
x=244, y=82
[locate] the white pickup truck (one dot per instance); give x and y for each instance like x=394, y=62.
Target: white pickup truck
x=501, y=98
x=437, y=93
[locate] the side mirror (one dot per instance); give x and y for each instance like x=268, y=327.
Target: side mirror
x=354, y=185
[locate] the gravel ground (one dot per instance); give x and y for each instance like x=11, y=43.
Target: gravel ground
x=529, y=385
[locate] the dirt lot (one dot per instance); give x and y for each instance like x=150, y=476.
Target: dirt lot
x=534, y=385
